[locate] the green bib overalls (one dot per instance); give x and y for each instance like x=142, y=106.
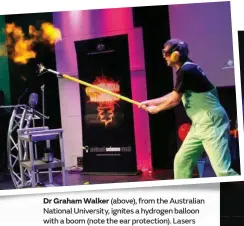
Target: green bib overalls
x=209, y=132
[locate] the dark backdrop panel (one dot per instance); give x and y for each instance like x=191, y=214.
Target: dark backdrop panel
x=241, y=57
x=107, y=62
x=154, y=21
x=24, y=77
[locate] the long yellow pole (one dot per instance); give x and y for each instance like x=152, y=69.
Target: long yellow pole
x=100, y=89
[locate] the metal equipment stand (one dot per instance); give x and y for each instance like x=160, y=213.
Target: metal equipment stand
x=33, y=164
x=22, y=153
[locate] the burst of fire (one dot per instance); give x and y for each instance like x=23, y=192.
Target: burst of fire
x=20, y=48
x=50, y=34
x=105, y=101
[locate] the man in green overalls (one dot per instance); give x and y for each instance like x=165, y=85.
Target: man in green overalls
x=210, y=122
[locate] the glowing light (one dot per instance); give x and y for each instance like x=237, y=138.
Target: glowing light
x=105, y=101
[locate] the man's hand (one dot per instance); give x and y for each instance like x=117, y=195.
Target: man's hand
x=148, y=106
x=153, y=109
x=145, y=104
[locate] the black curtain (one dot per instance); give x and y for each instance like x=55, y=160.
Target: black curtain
x=154, y=21
x=241, y=57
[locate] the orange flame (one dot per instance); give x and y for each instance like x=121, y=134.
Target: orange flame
x=34, y=34
x=105, y=101
x=23, y=51
x=20, y=49
x=50, y=34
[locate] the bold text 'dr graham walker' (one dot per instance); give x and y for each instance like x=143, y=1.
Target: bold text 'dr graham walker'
x=75, y=201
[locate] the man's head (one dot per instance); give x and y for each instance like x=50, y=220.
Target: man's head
x=175, y=52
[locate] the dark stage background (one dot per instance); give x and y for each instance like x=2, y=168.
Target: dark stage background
x=241, y=57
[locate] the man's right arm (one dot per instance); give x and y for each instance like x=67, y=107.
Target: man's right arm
x=179, y=88
x=155, y=102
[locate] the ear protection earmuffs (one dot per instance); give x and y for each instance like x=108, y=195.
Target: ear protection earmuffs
x=176, y=52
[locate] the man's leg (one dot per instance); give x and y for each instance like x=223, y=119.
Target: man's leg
x=216, y=144
x=186, y=158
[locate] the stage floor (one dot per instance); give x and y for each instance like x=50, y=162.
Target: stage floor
x=78, y=179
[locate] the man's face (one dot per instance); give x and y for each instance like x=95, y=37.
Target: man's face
x=166, y=55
